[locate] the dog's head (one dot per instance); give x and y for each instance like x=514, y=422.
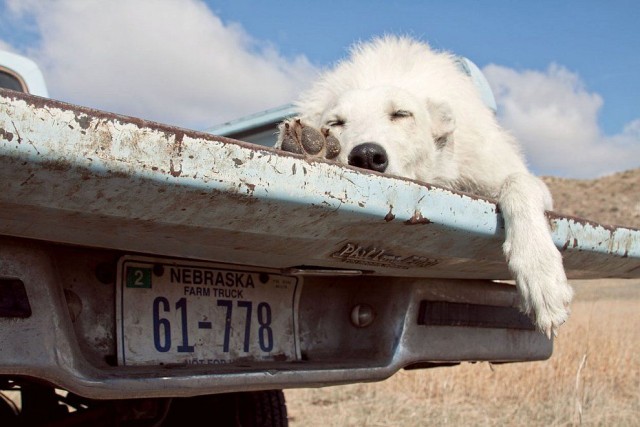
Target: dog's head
x=387, y=129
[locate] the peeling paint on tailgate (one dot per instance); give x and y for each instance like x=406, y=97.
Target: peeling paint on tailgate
x=81, y=176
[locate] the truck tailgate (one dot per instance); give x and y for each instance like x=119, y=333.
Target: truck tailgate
x=377, y=273
x=75, y=175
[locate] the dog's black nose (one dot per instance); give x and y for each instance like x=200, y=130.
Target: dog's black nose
x=369, y=156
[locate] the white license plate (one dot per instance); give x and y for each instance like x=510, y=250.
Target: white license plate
x=183, y=312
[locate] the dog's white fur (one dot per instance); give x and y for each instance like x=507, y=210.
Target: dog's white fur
x=444, y=135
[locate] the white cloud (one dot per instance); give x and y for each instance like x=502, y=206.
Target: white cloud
x=176, y=62
x=556, y=120
x=173, y=61
x=6, y=46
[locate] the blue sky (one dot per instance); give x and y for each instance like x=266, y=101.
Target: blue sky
x=600, y=40
x=564, y=73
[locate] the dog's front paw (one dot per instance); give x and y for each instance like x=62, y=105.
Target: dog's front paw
x=544, y=292
x=299, y=138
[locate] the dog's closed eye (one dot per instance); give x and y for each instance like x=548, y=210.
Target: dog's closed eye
x=337, y=122
x=401, y=114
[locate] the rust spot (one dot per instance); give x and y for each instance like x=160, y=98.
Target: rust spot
x=250, y=187
x=179, y=137
x=84, y=121
x=6, y=135
x=390, y=216
x=172, y=169
x=417, y=218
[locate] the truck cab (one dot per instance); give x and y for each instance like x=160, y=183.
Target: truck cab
x=21, y=74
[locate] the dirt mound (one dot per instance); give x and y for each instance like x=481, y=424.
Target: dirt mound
x=612, y=199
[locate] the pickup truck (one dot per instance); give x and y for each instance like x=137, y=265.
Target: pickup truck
x=153, y=275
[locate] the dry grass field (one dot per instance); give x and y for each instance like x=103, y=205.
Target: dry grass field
x=592, y=379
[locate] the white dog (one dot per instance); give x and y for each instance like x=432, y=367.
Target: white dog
x=398, y=107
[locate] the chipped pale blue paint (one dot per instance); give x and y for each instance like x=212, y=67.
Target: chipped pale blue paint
x=279, y=209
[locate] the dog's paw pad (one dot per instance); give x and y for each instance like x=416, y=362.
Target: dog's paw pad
x=311, y=142
x=290, y=139
x=332, y=145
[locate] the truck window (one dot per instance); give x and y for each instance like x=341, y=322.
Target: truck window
x=9, y=80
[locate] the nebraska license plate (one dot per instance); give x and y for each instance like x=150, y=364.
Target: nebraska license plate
x=183, y=312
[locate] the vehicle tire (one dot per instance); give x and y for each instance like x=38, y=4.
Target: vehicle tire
x=263, y=408
x=246, y=409
x=8, y=415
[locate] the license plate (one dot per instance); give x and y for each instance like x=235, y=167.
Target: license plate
x=183, y=312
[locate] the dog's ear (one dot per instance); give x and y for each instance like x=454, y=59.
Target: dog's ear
x=442, y=121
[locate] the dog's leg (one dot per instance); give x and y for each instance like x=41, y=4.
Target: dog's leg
x=296, y=137
x=533, y=259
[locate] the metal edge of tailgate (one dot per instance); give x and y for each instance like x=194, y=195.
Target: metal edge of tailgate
x=75, y=175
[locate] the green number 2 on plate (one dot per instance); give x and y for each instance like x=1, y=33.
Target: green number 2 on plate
x=138, y=277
